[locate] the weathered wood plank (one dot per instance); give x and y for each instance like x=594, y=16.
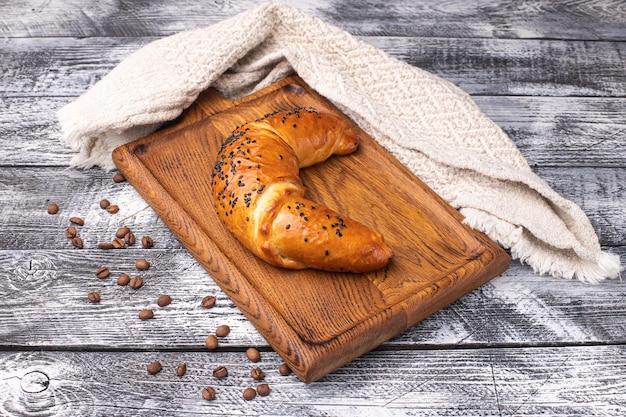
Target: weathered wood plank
x=516, y=67
x=590, y=20
x=26, y=191
x=562, y=131
x=44, y=303
x=69, y=66
x=586, y=381
x=554, y=131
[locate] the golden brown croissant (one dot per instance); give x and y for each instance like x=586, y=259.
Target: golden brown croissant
x=260, y=197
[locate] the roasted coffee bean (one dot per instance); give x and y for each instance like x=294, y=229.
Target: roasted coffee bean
x=154, y=368
x=121, y=232
x=119, y=177
x=181, y=369
x=263, y=390
x=253, y=354
x=208, y=393
x=257, y=374
x=211, y=342
x=249, y=394
x=103, y=272
x=105, y=246
x=77, y=242
x=129, y=238
x=284, y=369
x=222, y=331
x=77, y=220
x=146, y=314
x=220, y=372
x=70, y=232
x=118, y=243
x=142, y=264
x=123, y=280
x=94, y=297
x=53, y=208
x=135, y=282
x=164, y=300
x=208, y=301
x=113, y=208
x=147, y=242
x=104, y=204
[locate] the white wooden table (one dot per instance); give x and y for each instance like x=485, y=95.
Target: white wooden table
x=550, y=73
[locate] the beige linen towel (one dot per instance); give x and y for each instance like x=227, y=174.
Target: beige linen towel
x=430, y=125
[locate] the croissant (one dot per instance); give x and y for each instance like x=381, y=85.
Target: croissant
x=259, y=196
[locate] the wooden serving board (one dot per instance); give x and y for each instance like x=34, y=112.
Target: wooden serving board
x=317, y=321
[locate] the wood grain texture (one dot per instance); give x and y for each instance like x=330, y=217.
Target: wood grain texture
x=563, y=19
x=68, y=66
x=549, y=131
x=550, y=73
x=516, y=308
x=26, y=191
x=501, y=382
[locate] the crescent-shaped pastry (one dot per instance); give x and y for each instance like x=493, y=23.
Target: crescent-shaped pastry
x=259, y=196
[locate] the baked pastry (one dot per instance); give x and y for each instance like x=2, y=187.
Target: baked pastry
x=259, y=196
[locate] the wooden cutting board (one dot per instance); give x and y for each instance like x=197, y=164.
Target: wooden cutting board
x=317, y=321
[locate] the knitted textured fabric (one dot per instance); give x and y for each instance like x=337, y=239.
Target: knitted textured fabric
x=427, y=123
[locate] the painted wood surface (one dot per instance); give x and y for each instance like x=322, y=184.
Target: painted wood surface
x=550, y=73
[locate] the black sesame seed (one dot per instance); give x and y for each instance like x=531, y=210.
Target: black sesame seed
x=288, y=227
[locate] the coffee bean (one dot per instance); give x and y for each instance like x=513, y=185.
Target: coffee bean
x=220, y=372
x=129, y=238
x=103, y=272
x=208, y=301
x=135, y=282
x=113, y=208
x=119, y=177
x=154, y=368
x=118, y=243
x=263, y=390
x=121, y=232
x=257, y=374
x=211, y=342
x=104, y=204
x=253, y=354
x=123, y=280
x=222, y=331
x=147, y=242
x=181, y=369
x=208, y=393
x=142, y=264
x=77, y=220
x=70, y=232
x=249, y=394
x=105, y=246
x=94, y=297
x=53, y=208
x=284, y=369
x=77, y=242
x=164, y=300
x=146, y=314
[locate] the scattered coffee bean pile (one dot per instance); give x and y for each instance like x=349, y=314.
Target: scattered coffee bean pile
x=124, y=237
